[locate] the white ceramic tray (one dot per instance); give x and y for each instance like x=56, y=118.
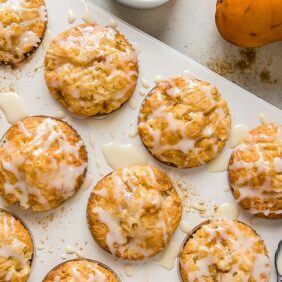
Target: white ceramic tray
x=55, y=230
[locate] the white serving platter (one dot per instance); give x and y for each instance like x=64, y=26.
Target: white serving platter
x=141, y=4
x=54, y=231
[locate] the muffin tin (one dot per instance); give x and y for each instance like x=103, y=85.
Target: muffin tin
x=63, y=233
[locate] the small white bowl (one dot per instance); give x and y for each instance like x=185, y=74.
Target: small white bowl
x=142, y=4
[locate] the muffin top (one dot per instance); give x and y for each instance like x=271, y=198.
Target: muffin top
x=184, y=122
x=133, y=212
x=43, y=161
x=255, y=171
x=91, y=70
x=81, y=270
x=223, y=250
x=22, y=25
x=16, y=249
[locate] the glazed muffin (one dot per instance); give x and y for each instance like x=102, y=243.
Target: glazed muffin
x=81, y=270
x=133, y=212
x=43, y=162
x=22, y=26
x=224, y=250
x=91, y=70
x=255, y=172
x=16, y=249
x=184, y=122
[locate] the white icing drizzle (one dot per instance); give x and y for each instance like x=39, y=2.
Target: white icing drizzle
x=133, y=133
x=277, y=162
x=15, y=249
x=87, y=16
x=185, y=226
x=168, y=259
x=231, y=252
x=48, y=37
x=158, y=78
x=219, y=164
x=99, y=276
x=188, y=74
x=142, y=92
x=115, y=234
x=129, y=270
x=264, y=119
x=71, y=17
x=237, y=134
x=26, y=38
x=13, y=106
x=132, y=207
x=178, y=126
x=119, y=156
x=145, y=276
x=270, y=188
x=227, y=211
x=94, y=275
x=145, y=83
x=60, y=115
x=133, y=104
x=113, y=23
x=61, y=177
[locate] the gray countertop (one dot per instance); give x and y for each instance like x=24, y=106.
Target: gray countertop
x=189, y=27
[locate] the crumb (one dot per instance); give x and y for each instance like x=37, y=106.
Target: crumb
x=225, y=66
x=220, y=66
x=199, y=207
x=265, y=77
x=247, y=59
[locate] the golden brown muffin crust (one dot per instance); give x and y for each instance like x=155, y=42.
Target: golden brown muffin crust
x=81, y=270
x=133, y=212
x=16, y=249
x=91, y=70
x=22, y=26
x=184, y=122
x=255, y=172
x=224, y=250
x=43, y=162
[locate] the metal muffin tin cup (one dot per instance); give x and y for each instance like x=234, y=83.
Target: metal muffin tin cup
x=186, y=239
x=30, y=235
x=87, y=260
x=271, y=216
x=148, y=95
x=196, y=228
x=81, y=178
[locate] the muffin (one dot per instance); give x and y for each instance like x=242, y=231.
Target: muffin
x=224, y=250
x=81, y=270
x=91, y=70
x=255, y=171
x=16, y=249
x=43, y=162
x=184, y=122
x=133, y=212
x=22, y=26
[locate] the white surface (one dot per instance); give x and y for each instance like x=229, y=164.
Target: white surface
x=67, y=224
x=142, y=4
x=189, y=27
